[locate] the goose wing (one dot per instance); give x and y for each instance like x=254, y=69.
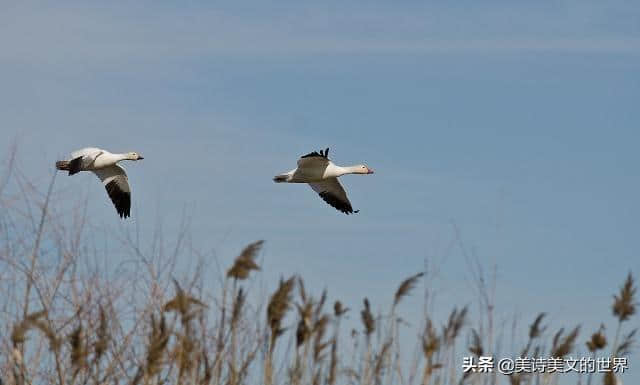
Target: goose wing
x=315, y=159
x=116, y=183
x=91, y=152
x=331, y=191
x=83, y=159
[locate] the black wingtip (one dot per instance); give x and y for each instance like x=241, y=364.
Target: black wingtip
x=121, y=199
x=321, y=153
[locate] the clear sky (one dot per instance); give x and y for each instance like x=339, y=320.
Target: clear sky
x=517, y=122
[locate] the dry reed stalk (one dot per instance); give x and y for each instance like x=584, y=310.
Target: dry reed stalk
x=319, y=329
x=100, y=344
x=597, y=342
x=186, y=347
x=182, y=303
x=475, y=347
x=535, y=331
x=156, y=348
x=278, y=306
x=236, y=313
x=207, y=374
x=311, y=328
x=333, y=364
x=403, y=290
x=367, y=319
x=369, y=327
x=303, y=333
x=78, y=351
x=338, y=312
x=455, y=323
x=431, y=344
x=380, y=362
x=624, y=306
x=244, y=368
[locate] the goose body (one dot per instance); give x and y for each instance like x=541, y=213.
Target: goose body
x=317, y=170
x=104, y=165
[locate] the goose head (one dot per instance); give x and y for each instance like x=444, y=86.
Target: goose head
x=362, y=169
x=134, y=156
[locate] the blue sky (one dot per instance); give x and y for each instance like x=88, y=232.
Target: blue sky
x=516, y=122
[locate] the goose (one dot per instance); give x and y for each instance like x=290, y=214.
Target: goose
x=104, y=165
x=322, y=174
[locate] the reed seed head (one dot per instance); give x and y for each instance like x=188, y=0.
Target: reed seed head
x=78, y=350
x=564, y=345
x=338, y=309
x=430, y=340
x=279, y=305
x=102, y=334
x=181, y=303
x=476, y=343
x=245, y=262
x=598, y=340
x=405, y=287
x=535, y=330
x=624, y=304
x=367, y=318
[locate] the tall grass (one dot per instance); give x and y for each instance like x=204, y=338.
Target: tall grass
x=69, y=321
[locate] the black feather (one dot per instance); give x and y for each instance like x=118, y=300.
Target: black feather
x=121, y=199
x=336, y=203
x=75, y=165
x=321, y=154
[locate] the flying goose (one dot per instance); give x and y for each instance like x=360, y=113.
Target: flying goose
x=322, y=174
x=104, y=165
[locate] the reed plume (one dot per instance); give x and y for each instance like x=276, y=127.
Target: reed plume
x=245, y=262
x=78, y=351
x=102, y=334
x=536, y=330
x=563, y=345
x=476, y=344
x=405, y=288
x=455, y=323
x=278, y=306
x=598, y=340
x=181, y=303
x=367, y=318
x=157, y=345
x=338, y=309
x=624, y=304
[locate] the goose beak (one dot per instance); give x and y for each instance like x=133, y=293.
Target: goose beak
x=139, y=158
x=370, y=171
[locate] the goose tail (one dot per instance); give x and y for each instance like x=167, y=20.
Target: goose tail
x=281, y=178
x=62, y=165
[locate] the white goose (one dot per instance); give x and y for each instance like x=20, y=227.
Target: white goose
x=322, y=174
x=104, y=165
